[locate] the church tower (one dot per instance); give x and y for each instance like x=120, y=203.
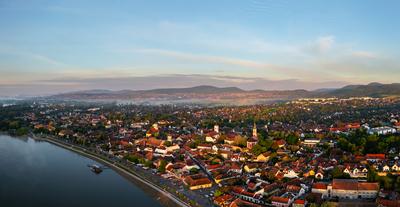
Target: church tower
x=254, y=130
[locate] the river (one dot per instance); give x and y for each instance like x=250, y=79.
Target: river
x=35, y=173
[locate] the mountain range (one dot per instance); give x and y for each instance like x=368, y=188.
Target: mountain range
x=228, y=95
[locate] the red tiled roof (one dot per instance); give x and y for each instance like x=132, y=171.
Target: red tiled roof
x=388, y=203
x=279, y=199
x=300, y=201
x=375, y=156
x=197, y=179
x=345, y=184
x=368, y=186
x=321, y=186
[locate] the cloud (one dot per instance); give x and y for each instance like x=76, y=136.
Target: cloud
x=211, y=59
x=52, y=86
x=364, y=54
x=325, y=43
x=320, y=45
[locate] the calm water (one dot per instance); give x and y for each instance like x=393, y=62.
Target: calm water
x=40, y=174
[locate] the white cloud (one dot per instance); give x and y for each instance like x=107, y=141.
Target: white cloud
x=364, y=54
x=320, y=46
x=325, y=43
x=209, y=58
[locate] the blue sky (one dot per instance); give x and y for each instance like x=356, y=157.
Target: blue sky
x=328, y=43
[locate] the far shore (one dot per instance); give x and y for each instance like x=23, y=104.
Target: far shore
x=136, y=179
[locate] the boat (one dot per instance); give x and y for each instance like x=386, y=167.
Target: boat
x=95, y=168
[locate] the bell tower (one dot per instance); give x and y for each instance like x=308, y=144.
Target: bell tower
x=254, y=130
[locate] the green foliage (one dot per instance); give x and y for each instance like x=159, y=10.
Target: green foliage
x=167, y=143
x=338, y=173
x=132, y=158
x=14, y=125
x=262, y=146
x=193, y=145
x=22, y=131
x=194, y=171
x=218, y=192
x=161, y=167
x=292, y=139
x=148, y=163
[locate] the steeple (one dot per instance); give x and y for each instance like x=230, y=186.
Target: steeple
x=254, y=130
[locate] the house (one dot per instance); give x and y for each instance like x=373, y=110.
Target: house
x=224, y=200
x=311, y=142
x=375, y=157
x=246, y=195
x=240, y=203
x=270, y=189
x=319, y=188
x=281, y=143
x=235, y=168
x=382, y=130
x=264, y=157
x=395, y=167
x=251, y=167
x=197, y=181
x=319, y=175
x=386, y=168
x=290, y=174
x=212, y=137
x=347, y=189
x=299, y=203
x=204, y=146
x=230, y=139
x=280, y=201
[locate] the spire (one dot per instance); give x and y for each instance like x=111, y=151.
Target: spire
x=254, y=130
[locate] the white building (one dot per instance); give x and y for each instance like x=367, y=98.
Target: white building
x=382, y=130
x=347, y=189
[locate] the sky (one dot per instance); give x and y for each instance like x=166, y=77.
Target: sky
x=51, y=46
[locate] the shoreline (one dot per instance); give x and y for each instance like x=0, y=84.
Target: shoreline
x=130, y=175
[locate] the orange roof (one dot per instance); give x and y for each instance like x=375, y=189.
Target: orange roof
x=375, y=156
x=279, y=199
x=154, y=142
x=388, y=203
x=345, y=184
x=197, y=179
x=280, y=142
x=223, y=198
x=300, y=201
x=368, y=186
x=321, y=186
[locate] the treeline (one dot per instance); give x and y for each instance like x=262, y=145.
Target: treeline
x=360, y=142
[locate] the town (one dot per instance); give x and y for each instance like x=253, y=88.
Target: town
x=306, y=152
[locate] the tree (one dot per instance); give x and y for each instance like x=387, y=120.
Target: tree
x=161, y=167
x=240, y=141
x=258, y=149
x=22, y=131
x=167, y=143
x=337, y=172
x=292, y=139
x=372, y=144
x=194, y=170
x=218, y=192
x=372, y=175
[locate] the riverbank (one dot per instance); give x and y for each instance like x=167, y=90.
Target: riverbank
x=152, y=188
